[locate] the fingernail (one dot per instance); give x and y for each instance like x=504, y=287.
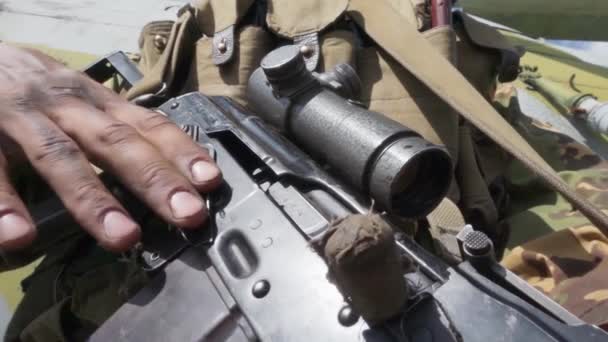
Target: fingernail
x=184, y=204
x=203, y=171
x=117, y=225
x=13, y=227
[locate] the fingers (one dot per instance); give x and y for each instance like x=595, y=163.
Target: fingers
x=191, y=160
x=60, y=120
x=16, y=227
x=119, y=148
x=60, y=162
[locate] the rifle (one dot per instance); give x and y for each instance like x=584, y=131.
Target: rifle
x=256, y=275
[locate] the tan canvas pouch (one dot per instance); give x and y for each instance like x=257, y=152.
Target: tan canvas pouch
x=289, y=18
x=251, y=43
x=214, y=16
x=478, y=64
x=214, y=19
x=218, y=19
x=172, y=65
x=488, y=38
x=152, y=43
x=302, y=21
x=337, y=46
x=230, y=79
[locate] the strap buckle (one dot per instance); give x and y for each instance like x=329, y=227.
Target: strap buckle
x=116, y=63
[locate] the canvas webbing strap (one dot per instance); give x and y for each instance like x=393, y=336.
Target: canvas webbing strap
x=409, y=48
x=170, y=65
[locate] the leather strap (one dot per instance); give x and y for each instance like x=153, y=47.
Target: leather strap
x=408, y=47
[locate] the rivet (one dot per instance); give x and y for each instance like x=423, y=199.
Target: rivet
x=260, y=289
x=221, y=46
x=307, y=50
x=154, y=256
x=174, y=105
x=255, y=224
x=267, y=242
x=160, y=41
x=347, y=316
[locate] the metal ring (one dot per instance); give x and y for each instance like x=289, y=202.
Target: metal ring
x=145, y=99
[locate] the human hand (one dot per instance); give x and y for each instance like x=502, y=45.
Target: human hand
x=61, y=121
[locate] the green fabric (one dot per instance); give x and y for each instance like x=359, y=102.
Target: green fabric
x=75, y=288
x=557, y=19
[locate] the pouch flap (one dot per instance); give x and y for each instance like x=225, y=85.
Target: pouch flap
x=172, y=63
x=309, y=46
x=483, y=34
x=289, y=18
x=217, y=18
x=217, y=15
x=488, y=37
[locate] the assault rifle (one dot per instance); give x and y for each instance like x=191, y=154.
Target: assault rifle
x=257, y=272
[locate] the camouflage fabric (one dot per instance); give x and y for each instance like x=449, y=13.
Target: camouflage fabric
x=571, y=267
x=554, y=247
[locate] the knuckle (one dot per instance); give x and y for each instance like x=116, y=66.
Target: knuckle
x=64, y=96
x=118, y=133
x=23, y=103
x=91, y=198
x=86, y=191
x=63, y=87
x=22, y=99
x=64, y=76
x=89, y=191
x=156, y=174
x=57, y=148
x=153, y=121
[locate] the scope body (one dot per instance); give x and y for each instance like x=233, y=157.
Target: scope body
x=404, y=173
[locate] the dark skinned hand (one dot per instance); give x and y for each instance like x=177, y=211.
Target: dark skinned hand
x=61, y=122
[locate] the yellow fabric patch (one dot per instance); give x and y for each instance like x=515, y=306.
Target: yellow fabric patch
x=599, y=295
x=589, y=237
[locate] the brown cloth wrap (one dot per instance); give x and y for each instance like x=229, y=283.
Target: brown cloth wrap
x=365, y=264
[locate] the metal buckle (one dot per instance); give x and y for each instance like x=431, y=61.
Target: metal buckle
x=152, y=99
x=116, y=63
